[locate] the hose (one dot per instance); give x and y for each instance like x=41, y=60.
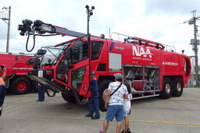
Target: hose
x=27, y=43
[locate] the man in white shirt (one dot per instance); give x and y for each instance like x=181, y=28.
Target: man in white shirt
x=114, y=102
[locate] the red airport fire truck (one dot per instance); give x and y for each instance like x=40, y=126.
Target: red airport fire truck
x=17, y=81
x=148, y=68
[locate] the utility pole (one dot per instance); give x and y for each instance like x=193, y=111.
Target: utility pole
x=195, y=43
x=6, y=17
x=89, y=13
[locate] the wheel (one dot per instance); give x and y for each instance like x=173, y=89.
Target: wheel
x=103, y=86
x=20, y=85
x=69, y=98
x=167, y=89
x=177, y=87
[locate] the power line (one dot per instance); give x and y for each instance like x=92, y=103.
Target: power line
x=150, y=28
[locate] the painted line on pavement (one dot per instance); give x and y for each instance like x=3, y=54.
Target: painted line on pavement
x=174, y=123
x=184, y=99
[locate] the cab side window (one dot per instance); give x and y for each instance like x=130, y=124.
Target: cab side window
x=79, y=52
x=96, y=49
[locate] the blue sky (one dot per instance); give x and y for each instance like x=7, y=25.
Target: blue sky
x=157, y=20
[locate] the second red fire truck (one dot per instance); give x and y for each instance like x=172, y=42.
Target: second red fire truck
x=16, y=64
x=148, y=68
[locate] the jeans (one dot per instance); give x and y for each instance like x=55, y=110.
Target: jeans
x=94, y=106
x=2, y=94
x=41, y=95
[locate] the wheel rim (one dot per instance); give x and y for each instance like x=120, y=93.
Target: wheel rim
x=167, y=88
x=179, y=87
x=21, y=86
x=104, y=94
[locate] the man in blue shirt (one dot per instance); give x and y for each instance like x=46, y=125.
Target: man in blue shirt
x=41, y=92
x=94, y=99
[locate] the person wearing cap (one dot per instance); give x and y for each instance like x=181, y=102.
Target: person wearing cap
x=114, y=102
x=94, y=99
x=2, y=87
x=41, y=92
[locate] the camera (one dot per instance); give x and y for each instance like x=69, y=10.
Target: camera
x=26, y=26
x=2, y=67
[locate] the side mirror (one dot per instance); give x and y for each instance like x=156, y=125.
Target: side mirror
x=30, y=61
x=41, y=52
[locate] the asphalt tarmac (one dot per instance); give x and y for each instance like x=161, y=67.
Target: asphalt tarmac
x=23, y=114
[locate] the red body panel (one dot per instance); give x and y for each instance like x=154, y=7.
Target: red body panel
x=170, y=63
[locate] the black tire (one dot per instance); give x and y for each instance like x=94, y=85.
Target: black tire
x=177, y=87
x=166, y=93
x=68, y=98
x=20, y=85
x=103, y=86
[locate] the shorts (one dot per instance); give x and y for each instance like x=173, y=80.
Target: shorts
x=115, y=111
x=125, y=113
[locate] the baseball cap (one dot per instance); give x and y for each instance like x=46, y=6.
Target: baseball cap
x=92, y=73
x=118, y=76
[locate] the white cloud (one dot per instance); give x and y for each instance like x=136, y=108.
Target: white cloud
x=158, y=20
x=171, y=7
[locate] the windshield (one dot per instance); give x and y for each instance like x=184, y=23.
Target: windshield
x=53, y=53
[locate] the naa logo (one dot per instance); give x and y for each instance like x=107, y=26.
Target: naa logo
x=142, y=52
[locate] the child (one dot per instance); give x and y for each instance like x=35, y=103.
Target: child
x=127, y=111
